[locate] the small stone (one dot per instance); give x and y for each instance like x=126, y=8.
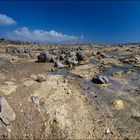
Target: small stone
x=107, y=131
x=35, y=100
x=103, y=55
x=7, y=114
x=118, y=104
x=131, y=71
x=41, y=78
x=100, y=79
x=52, y=70
x=85, y=88
x=58, y=64
x=9, y=130
x=94, y=53
x=117, y=74
x=33, y=76
x=21, y=110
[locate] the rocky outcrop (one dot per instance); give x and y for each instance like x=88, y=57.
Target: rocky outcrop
x=45, y=56
x=80, y=55
x=16, y=51
x=7, y=114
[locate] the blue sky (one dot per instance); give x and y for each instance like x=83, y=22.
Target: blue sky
x=71, y=21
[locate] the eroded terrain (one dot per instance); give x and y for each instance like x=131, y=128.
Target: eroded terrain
x=57, y=99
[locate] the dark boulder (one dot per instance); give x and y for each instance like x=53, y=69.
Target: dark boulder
x=62, y=57
x=100, y=79
x=80, y=55
x=45, y=56
x=14, y=51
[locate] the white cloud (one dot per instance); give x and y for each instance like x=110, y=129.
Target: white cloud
x=5, y=20
x=41, y=36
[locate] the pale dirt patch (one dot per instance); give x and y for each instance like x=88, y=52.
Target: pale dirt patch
x=86, y=71
x=64, y=103
x=8, y=88
x=28, y=82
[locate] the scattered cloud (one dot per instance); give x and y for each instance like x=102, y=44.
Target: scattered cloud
x=37, y=35
x=5, y=20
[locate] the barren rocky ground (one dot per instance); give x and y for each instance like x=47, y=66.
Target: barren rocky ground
x=69, y=92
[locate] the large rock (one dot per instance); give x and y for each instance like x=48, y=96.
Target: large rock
x=72, y=60
x=80, y=55
x=8, y=50
x=56, y=51
x=62, y=56
x=20, y=50
x=41, y=58
x=73, y=57
x=100, y=79
x=45, y=56
x=14, y=50
x=94, y=53
x=73, y=53
x=4, y=59
x=28, y=50
x=7, y=114
x=134, y=59
x=58, y=64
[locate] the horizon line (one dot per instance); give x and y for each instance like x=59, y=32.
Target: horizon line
x=70, y=43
